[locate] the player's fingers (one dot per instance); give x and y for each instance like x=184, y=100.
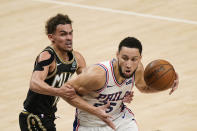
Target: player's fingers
x=132, y=93
x=69, y=92
x=171, y=91
x=174, y=87
x=110, y=123
x=177, y=76
x=176, y=82
x=125, y=99
x=106, y=105
x=107, y=116
x=67, y=86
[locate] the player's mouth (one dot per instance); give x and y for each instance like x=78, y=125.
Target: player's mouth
x=128, y=72
x=68, y=44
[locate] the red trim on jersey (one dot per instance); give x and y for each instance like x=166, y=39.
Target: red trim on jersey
x=137, y=125
x=130, y=111
x=112, y=70
x=107, y=78
x=77, y=124
x=133, y=116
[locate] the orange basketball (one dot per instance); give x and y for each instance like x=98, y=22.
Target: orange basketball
x=159, y=75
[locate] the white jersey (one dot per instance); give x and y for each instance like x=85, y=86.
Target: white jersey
x=112, y=91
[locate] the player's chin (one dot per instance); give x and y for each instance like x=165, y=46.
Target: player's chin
x=69, y=49
x=127, y=75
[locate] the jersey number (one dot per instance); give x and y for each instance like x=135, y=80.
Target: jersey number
x=109, y=109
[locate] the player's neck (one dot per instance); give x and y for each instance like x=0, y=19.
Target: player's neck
x=61, y=53
x=119, y=78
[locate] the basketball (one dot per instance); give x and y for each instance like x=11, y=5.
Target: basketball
x=159, y=75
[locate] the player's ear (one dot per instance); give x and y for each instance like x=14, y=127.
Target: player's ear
x=50, y=36
x=140, y=57
x=117, y=54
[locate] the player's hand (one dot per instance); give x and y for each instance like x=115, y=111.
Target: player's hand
x=175, y=84
x=104, y=116
x=129, y=97
x=66, y=91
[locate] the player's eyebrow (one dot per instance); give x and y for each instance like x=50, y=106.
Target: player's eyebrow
x=132, y=56
x=63, y=31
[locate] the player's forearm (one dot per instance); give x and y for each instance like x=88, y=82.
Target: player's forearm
x=143, y=87
x=146, y=89
x=78, y=102
x=41, y=87
x=140, y=82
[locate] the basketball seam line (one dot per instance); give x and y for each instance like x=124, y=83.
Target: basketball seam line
x=157, y=66
x=169, y=81
x=162, y=75
x=161, y=64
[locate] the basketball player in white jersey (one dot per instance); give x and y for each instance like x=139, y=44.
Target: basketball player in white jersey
x=112, y=82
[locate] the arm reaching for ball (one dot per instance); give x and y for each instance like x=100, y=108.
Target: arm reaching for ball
x=142, y=85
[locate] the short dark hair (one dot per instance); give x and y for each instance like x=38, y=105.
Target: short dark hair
x=131, y=42
x=54, y=21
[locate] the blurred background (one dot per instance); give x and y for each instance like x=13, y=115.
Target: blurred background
x=167, y=30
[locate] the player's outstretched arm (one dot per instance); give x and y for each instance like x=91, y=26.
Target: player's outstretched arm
x=90, y=80
x=78, y=102
x=142, y=86
x=140, y=82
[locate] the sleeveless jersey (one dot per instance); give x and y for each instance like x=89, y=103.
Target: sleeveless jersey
x=44, y=104
x=112, y=92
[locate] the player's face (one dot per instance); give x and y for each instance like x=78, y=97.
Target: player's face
x=63, y=37
x=128, y=59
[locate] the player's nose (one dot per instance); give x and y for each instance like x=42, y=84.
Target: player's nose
x=69, y=37
x=128, y=64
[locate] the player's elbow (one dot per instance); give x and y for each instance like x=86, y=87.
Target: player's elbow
x=71, y=99
x=33, y=85
x=146, y=89
x=142, y=88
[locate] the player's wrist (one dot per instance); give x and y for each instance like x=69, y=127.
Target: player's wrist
x=95, y=111
x=57, y=92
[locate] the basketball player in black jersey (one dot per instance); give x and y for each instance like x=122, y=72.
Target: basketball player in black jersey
x=53, y=67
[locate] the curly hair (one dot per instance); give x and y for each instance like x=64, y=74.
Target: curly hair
x=54, y=21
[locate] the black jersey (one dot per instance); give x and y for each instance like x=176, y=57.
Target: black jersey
x=44, y=104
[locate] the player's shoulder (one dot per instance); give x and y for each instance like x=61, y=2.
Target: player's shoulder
x=95, y=75
x=96, y=71
x=45, y=55
x=77, y=54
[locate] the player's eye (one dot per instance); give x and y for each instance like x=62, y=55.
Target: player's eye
x=125, y=58
x=63, y=34
x=70, y=33
x=134, y=59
